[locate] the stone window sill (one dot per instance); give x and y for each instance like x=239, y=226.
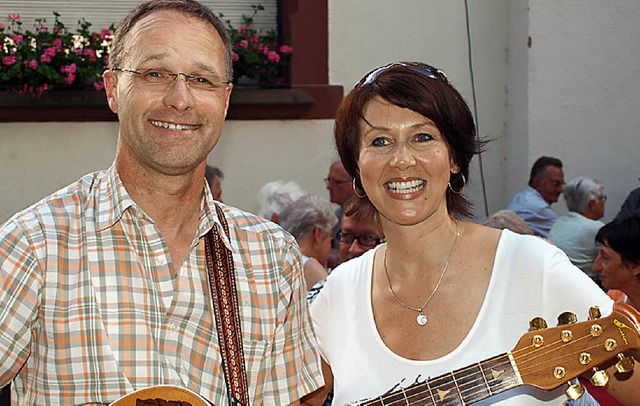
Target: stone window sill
x=300, y=102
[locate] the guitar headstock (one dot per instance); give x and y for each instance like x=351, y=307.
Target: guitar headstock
x=550, y=357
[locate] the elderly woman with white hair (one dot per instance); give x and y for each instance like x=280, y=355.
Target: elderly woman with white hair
x=574, y=232
x=274, y=196
x=311, y=219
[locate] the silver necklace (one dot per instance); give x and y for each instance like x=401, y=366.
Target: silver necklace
x=421, y=319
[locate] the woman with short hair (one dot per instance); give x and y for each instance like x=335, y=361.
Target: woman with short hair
x=441, y=293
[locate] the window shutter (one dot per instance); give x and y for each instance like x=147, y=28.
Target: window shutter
x=101, y=14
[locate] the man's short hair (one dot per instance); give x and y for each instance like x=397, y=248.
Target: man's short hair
x=537, y=170
x=189, y=7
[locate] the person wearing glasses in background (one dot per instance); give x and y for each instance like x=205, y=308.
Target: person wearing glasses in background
x=340, y=186
x=533, y=204
x=358, y=234
x=441, y=293
x=574, y=232
x=105, y=282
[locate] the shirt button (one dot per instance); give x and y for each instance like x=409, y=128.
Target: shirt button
x=161, y=261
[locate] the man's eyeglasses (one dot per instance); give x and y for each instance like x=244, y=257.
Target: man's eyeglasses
x=161, y=79
x=364, y=240
x=336, y=182
x=422, y=68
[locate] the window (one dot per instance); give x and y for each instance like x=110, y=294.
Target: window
x=304, y=22
x=104, y=13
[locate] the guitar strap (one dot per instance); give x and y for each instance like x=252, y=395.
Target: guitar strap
x=225, y=303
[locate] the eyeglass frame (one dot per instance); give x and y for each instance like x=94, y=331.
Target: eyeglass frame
x=377, y=241
x=187, y=77
x=422, y=68
x=331, y=181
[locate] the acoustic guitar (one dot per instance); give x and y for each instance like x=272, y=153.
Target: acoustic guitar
x=162, y=395
x=545, y=359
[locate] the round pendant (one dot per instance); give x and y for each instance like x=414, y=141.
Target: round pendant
x=421, y=319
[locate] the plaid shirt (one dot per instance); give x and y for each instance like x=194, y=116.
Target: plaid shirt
x=90, y=309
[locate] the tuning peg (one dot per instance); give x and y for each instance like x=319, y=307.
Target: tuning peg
x=600, y=377
x=574, y=391
x=594, y=313
x=625, y=365
x=537, y=323
x=567, y=318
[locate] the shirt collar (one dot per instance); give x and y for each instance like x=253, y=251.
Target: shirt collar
x=114, y=200
x=209, y=216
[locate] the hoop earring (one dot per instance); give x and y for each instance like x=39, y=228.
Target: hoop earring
x=353, y=184
x=464, y=184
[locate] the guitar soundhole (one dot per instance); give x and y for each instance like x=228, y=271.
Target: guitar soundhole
x=161, y=402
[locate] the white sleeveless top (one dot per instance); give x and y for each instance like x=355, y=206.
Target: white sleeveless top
x=530, y=278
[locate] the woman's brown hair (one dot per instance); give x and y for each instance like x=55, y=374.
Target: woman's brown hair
x=425, y=90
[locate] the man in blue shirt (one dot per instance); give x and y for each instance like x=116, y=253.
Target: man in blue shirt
x=533, y=204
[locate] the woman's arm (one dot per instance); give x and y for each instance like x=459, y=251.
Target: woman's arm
x=318, y=397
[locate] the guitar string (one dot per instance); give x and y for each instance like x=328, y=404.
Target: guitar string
x=545, y=350
x=542, y=351
x=463, y=392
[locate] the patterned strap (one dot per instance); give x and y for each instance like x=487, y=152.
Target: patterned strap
x=225, y=303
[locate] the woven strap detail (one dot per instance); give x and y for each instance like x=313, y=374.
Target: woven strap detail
x=225, y=303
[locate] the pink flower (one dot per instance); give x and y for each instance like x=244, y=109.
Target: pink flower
x=69, y=79
x=56, y=30
x=44, y=58
x=235, y=57
x=242, y=29
x=286, y=49
x=69, y=69
x=105, y=33
x=9, y=60
x=98, y=86
x=13, y=17
x=17, y=38
x=91, y=54
x=57, y=44
x=2, y=27
x=105, y=60
x=41, y=89
x=31, y=64
x=243, y=44
x=51, y=51
x=255, y=39
x=273, y=57
x=43, y=28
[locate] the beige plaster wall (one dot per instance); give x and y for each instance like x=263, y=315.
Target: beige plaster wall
x=572, y=94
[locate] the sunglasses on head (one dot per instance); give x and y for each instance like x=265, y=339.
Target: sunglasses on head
x=421, y=68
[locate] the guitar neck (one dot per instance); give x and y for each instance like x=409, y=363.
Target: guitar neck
x=463, y=386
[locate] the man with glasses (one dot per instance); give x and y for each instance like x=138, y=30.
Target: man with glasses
x=358, y=235
x=105, y=282
x=533, y=204
x=339, y=184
